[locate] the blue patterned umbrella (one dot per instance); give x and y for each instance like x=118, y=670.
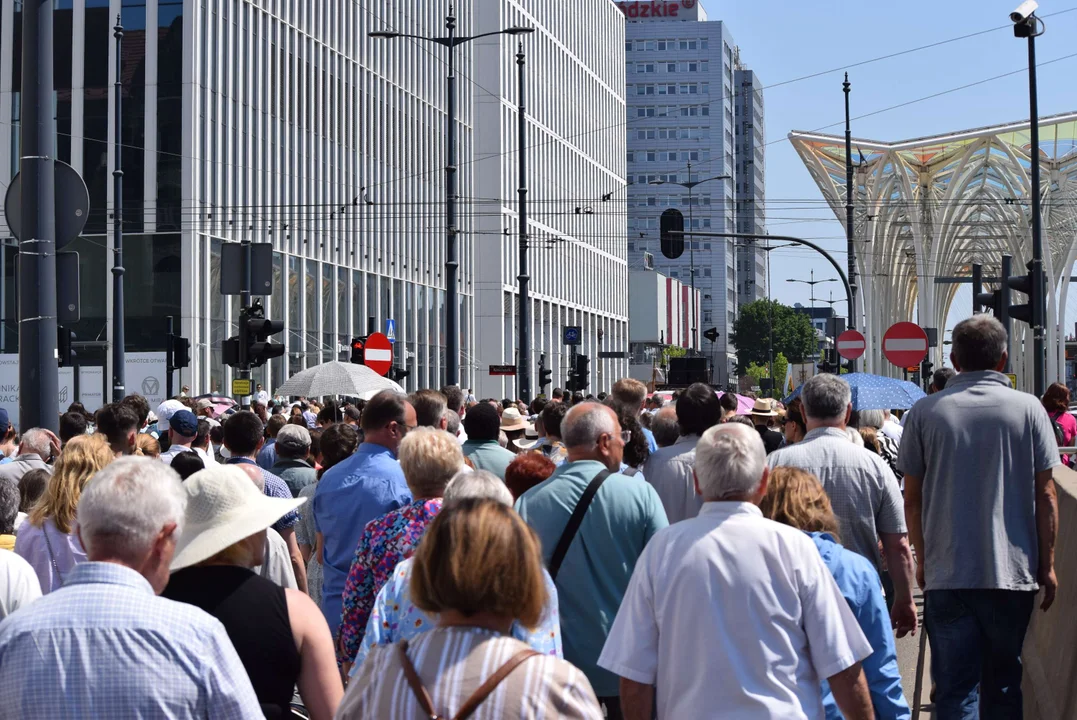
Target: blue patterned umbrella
x=875, y=392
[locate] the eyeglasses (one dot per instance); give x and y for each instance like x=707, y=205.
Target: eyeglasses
x=626, y=436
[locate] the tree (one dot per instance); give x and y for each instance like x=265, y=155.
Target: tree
x=793, y=334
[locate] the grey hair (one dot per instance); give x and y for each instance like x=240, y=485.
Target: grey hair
x=729, y=461
x=452, y=422
x=476, y=484
x=978, y=343
x=664, y=426
x=585, y=423
x=826, y=397
x=9, y=506
x=125, y=505
x=872, y=418
x=37, y=441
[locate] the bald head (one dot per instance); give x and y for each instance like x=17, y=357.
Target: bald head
x=731, y=463
x=591, y=431
x=255, y=474
x=664, y=426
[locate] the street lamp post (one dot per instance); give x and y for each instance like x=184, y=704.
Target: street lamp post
x=812, y=283
x=452, y=265
x=690, y=186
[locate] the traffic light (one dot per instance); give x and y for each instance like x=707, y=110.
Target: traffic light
x=64, y=353
x=254, y=346
x=582, y=372
x=927, y=368
x=357, y=351
x=230, y=352
x=545, y=374
x=991, y=300
x=672, y=245
x=397, y=374
x=711, y=334
x=181, y=352
x=1029, y=285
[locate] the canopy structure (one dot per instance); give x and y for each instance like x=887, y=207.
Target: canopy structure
x=928, y=208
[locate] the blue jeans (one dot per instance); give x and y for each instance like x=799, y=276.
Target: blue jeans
x=976, y=638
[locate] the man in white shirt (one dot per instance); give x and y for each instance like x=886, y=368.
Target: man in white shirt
x=182, y=430
x=19, y=585
x=746, y=599
x=261, y=395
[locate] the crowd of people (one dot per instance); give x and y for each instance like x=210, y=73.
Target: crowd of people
x=616, y=556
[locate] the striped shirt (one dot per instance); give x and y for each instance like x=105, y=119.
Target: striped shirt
x=105, y=646
x=452, y=663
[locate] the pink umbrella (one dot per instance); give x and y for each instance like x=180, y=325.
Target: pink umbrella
x=744, y=404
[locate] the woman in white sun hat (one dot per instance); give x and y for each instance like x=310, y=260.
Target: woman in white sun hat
x=280, y=634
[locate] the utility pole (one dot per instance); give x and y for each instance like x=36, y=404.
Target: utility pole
x=452, y=264
x=523, y=372
x=118, y=340
x=38, y=366
x=849, y=214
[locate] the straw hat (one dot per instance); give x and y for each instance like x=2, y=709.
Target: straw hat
x=513, y=419
x=762, y=408
x=529, y=440
x=223, y=507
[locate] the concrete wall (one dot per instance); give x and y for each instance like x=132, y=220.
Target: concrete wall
x=1050, y=654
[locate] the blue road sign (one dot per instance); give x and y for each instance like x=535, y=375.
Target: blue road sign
x=390, y=330
x=572, y=335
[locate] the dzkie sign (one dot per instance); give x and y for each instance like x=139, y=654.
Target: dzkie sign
x=644, y=9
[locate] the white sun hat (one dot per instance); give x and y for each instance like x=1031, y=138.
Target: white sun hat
x=224, y=507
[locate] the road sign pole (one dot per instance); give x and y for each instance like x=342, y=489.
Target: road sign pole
x=38, y=368
x=170, y=359
x=118, y=340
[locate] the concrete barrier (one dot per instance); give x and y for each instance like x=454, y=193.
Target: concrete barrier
x=1050, y=653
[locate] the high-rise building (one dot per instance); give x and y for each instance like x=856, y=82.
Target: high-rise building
x=751, y=197
x=681, y=123
x=575, y=150
x=286, y=123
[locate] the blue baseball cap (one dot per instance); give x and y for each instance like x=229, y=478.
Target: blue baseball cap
x=5, y=421
x=184, y=423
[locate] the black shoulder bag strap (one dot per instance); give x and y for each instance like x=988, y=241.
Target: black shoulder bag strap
x=574, y=523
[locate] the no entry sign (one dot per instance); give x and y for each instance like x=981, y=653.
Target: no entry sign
x=851, y=344
x=378, y=353
x=905, y=344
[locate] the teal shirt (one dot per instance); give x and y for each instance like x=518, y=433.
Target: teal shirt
x=623, y=516
x=488, y=455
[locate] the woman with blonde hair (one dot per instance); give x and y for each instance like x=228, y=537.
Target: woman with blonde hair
x=47, y=540
x=147, y=446
x=477, y=570
x=796, y=498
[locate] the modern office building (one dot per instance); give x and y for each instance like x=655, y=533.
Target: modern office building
x=751, y=195
x=285, y=123
x=680, y=74
x=575, y=150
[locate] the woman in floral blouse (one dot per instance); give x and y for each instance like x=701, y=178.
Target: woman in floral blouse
x=395, y=617
x=429, y=459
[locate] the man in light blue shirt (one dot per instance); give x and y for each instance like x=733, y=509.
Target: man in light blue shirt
x=105, y=645
x=623, y=516
x=362, y=488
x=483, y=427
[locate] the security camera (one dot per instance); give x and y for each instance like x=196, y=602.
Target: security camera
x=1024, y=10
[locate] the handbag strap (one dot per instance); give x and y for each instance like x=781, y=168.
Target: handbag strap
x=472, y=703
x=52, y=556
x=574, y=522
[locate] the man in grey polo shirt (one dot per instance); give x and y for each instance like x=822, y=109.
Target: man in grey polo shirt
x=861, y=487
x=983, y=514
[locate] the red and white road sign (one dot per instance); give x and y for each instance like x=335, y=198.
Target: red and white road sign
x=378, y=353
x=905, y=344
x=851, y=344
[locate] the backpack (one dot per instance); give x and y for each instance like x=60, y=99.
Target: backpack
x=1060, y=434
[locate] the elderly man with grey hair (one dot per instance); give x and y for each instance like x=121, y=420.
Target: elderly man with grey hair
x=980, y=497
x=593, y=523
x=37, y=448
x=861, y=487
x=104, y=645
x=748, y=599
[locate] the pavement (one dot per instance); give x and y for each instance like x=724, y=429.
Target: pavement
x=908, y=649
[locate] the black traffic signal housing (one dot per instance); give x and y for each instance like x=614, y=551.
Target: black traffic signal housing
x=990, y=300
x=64, y=353
x=672, y=220
x=545, y=374
x=1031, y=285
x=356, y=358
x=583, y=373
x=397, y=374
x=181, y=352
x=255, y=347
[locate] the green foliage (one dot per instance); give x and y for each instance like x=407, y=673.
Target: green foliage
x=793, y=336
x=672, y=351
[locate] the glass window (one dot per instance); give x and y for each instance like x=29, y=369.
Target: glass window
x=310, y=327
x=169, y=113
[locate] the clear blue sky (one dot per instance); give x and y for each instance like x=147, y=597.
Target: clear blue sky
x=785, y=39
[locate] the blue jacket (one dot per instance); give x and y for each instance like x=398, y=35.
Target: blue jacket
x=860, y=586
